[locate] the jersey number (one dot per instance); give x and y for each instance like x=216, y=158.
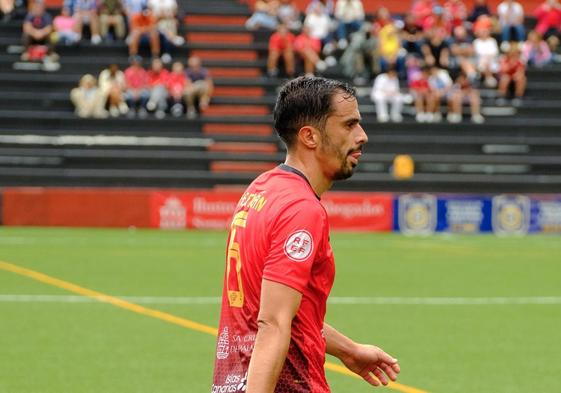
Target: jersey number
x=235, y=298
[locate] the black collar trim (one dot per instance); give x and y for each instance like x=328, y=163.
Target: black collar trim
x=288, y=168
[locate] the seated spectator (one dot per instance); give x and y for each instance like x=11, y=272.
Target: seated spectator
x=37, y=29
x=412, y=35
x=512, y=71
x=386, y=89
x=548, y=16
x=136, y=88
x=436, y=50
x=535, y=51
x=422, y=10
x=166, y=13
x=200, y=87
x=487, y=54
x=455, y=12
x=144, y=27
x=176, y=85
x=360, y=60
x=440, y=85
x=437, y=23
x=85, y=13
x=390, y=49
x=7, y=9
x=111, y=14
x=418, y=79
x=289, y=15
x=157, y=83
x=382, y=17
x=112, y=85
x=462, y=53
x=88, y=99
x=464, y=92
x=309, y=48
x=511, y=19
x=65, y=28
x=318, y=25
x=480, y=8
x=350, y=16
x=264, y=15
x=281, y=45
x=484, y=22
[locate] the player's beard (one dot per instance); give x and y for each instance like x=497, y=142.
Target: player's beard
x=345, y=169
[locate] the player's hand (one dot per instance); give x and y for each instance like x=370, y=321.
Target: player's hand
x=372, y=364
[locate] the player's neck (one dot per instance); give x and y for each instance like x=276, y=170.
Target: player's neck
x=313, y=173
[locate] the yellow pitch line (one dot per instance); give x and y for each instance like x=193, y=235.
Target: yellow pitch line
x=170, y=318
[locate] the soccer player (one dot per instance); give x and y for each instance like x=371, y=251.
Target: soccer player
x=279, y=264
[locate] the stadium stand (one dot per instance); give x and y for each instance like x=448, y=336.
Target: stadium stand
x=42, y=142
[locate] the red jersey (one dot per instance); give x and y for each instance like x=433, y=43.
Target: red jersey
x=158, y=78
x=279, y=232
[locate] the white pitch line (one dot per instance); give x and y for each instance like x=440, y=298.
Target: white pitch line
x=425, y=301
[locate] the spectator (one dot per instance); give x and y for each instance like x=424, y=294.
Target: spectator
x=455, y=12
x=88, y=99
x=7, y=9
x=480, y=8
x=264, y=15
x=112, y=85
x=512, y=71
x=85, y=13
x=318, y=25
x=438, y=23
x=157, y=82
x=548, y=16
x=176, y=85
x=511, y=19
x=386, y=89
x=436, y=50
x=289, y=15
x=281, y=44
x=37, y=28
x=136, y=88
x=350, y=16
x=418, y=78
x=440, y=85
x=464, y=92
x=360, y=60
x=487, y=54
x=166, y=13
x=65, y=28
x=382, y=17
x=412, y=35
x=422, y=10
x=144, y=27
x=482, y=23
x=200, y=87
x=111, y=14
x=390, y=49
x=327, y=7
x=308, y=48
x=462, y=53
x=535, y=51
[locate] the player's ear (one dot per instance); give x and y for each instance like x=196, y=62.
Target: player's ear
x=309, y=137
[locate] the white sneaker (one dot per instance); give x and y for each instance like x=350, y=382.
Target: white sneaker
x=421, y=117
x=166, y=58
x=191, y=114
x=383, y=118
x=454, y=118
x=331, y=61
x=178, y=41
x=96, y=39
x=490, y=82
x=397, y=118
x=342, y=44
x=477, y=119
x=114, y=111
x=160, y=114
x=123, y=108
x=151, y=106
x=429, y=117
x=321, y=66
x=437, y=117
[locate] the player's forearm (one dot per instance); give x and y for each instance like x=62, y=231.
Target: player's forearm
x=267, y=359
x=337, y=344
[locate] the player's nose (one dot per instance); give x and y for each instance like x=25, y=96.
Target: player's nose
x=362, y=137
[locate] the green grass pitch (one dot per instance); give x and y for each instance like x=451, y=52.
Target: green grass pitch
x=61, y=346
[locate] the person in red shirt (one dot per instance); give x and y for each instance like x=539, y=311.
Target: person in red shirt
x=279, y=264
x=176, y=84
x=157, y=83
x=308, y=48
x=281, y=45
x=548, y=16
x=421, y=10
x=143, y=26
x=512, y=71
x=136, y=88
x=456, y=12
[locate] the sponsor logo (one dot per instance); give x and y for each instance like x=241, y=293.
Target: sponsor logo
x=232, y=384
x=299, y=245
x=417, y=214
x=223, y=347
x=511, y=214
x=173, y=214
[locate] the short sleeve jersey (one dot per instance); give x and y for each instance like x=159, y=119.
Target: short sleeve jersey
x=279, y=232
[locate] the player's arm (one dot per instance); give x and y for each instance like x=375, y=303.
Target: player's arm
x=367, y=361
x=279, y=304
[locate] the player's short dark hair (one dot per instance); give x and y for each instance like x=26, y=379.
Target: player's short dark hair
x=306, y=101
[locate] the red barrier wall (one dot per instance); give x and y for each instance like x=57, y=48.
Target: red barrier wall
x=171, y=209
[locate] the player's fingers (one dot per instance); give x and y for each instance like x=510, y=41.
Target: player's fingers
x=381, y=377
x=386, y=358
x=389, y=371
x=370, y=379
